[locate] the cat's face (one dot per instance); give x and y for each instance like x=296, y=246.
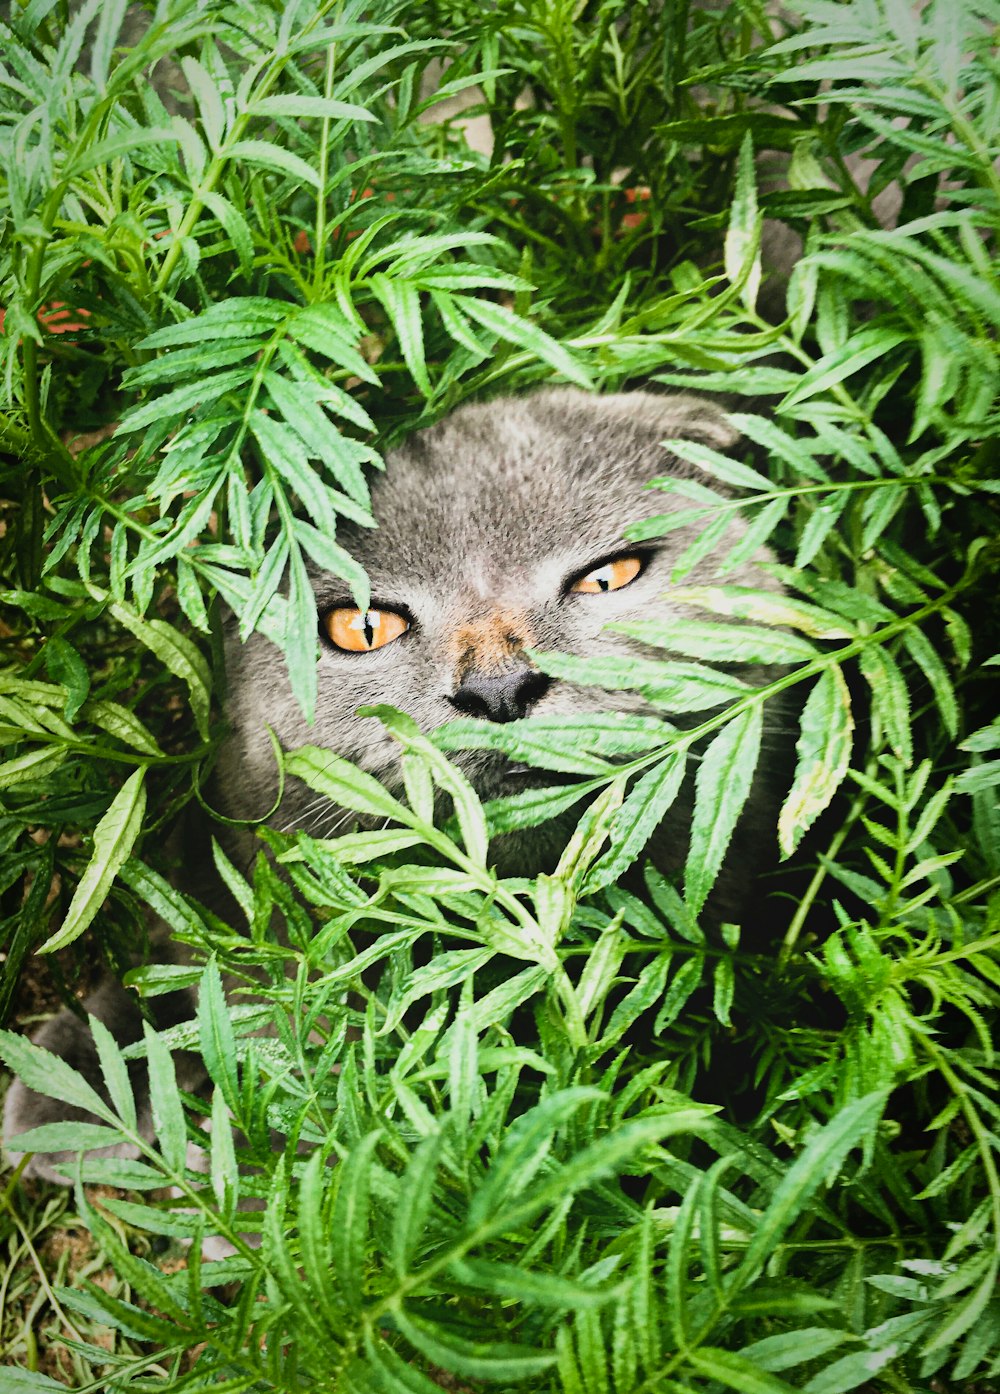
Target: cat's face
x=500, y=529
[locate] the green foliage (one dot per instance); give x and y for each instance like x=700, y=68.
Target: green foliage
x=555, y=1133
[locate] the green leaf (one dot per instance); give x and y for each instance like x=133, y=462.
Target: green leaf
x=890, y=698
x=742, y=245
x=314, y=1239
x=722, y=786
x=682, y=985
x=764, y=607
x=677, y=687
x=176, y=403
x=720, y=466
x=223, y=1170
x=490, y=1359
x=468, y=810
x=114, y=838
x=174, y=650
x=121, y=723
x=66, y=1137
x=523, y=1150
x=510, y=1281
x=923, y=653
x=115, y=1072
x=343, y=783
x=401, y=302
x=819, y=1161
x=36, y=764
x=515, y=330
x=394, y=1375
x=295, y=104
x=864, y=348
x=50, y=1075
x=165, y=1101
x=737, y=1373
x=414, y=1200
x=267, y=155
x=215, y=1032
x=20, y=1381
x=64, y=665
x=637, y=819
x=351, y=1220
x=723, y=643
x=823, y=754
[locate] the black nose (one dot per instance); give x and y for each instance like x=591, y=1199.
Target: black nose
x=503, y=697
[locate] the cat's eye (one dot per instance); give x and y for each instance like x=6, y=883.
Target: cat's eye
x=612, y=576
x=361, y=631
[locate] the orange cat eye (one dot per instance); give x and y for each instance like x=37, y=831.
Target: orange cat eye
x=609, y=577
x=361, y=631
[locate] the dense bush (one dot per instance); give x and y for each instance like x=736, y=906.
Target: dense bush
x=582, y=1145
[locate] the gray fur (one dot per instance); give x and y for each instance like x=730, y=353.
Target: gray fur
x=486, y=512
x=489, y=511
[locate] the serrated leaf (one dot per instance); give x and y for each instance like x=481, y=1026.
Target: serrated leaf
x=401, y=302
x=115, y=1072
x=74, y=1136
x=721, y=643
x=818, y=1162
x=208, y=388
x=165, y=1101
x=64, y=665
x=525, y=1285
x=823, y=751
x=765, y=607
x=297, y=104
x=864, y=348
x=923, y=653
x=215, y=1032
x=682, y=985
x=343, y=783
x=515, y=330
x=523, y=1150
x=741, y=253
x=890, y=697
x=267, y=155
x=222, y=1168
x=490, y=1359
x=737, y=1373
x=468, y=810
x=351, y=1219
x=121, y=723
x=722, y=786
x=637, y=819
x=36, y=764
x=414, y=1200
x=50, y=1075
x=175, y=651
x=114, y=838
x=315, y=1240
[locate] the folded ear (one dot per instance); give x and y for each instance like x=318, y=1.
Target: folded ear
x=681, y=415
x=635, y=420
x=625, y=431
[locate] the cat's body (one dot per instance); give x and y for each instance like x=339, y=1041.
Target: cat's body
x=488, y=523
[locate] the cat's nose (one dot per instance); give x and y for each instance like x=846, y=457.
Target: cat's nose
x=504, y=696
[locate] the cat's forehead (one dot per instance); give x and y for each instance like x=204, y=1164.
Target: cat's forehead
x=503, y=485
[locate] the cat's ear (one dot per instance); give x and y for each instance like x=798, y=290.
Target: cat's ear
x=680, y=415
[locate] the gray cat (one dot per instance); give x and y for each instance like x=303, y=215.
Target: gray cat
x=499, y=529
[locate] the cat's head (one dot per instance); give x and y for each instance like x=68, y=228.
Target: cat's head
x=500, y=529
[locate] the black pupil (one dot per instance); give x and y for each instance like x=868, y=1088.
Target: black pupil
x=369, y=630
x=604, y=583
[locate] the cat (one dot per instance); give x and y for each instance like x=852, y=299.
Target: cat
x=500, y=529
